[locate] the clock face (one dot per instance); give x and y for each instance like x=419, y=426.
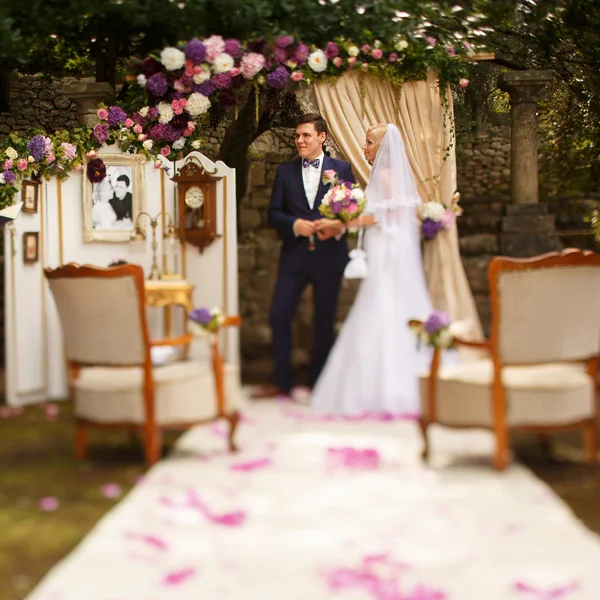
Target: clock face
x=194, y=197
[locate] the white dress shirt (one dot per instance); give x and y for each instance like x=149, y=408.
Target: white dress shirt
x=311, y=178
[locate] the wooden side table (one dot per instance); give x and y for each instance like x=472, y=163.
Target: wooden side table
x=167, y=294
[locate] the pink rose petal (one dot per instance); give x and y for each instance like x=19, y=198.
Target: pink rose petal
x=252, y=465
x=151, y=540
x=51, y=411
x=49, y=503
x=111, y=490
x=178, y=577
x=550, y=593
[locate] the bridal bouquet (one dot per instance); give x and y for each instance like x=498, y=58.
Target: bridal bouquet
x=344, y=201
x=203, y=320
x=435, y=216
x=435, y=331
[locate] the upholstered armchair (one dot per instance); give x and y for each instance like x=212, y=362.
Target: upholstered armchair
x=538, y=370
x=112, y=380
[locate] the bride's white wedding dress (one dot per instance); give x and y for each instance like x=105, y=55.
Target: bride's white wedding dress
x=374, y=364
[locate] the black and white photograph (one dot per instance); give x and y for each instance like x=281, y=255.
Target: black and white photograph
x=111, y=206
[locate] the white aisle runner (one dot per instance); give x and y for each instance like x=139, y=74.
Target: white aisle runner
x=311, y=509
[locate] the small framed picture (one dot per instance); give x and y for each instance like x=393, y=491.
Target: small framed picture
x=29, y=195
x=31, y=247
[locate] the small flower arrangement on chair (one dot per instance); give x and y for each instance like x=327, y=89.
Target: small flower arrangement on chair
x=205, y=322
x=435, y=216
x=436, y=331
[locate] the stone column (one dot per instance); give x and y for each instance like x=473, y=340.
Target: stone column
x=523, y=87
x=527, y=228
x=87, y=97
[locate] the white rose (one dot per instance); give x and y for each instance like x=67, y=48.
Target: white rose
x=2, y=178
x=401, y=45
x=197, y=104
x=148, y=144
x=204, y=75
x=144, y=111
x=317, y=61
x=141, y=79
x=179, y=144
x=11, y=153
x=339, y=196
x=196, y=144
x=223, y=63
x=172, y=58
x=165, y=112
x=353, y=51
x=444, y=338
x=433, y=210
x=357, y=194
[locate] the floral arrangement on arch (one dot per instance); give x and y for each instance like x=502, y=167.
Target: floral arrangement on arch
x=435, y=216
x=218, y=70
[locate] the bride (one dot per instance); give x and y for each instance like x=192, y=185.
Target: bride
x=374, y=364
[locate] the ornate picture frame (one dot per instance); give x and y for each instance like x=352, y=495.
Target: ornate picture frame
x=31, y=247
x=111, y=207
x=30, y=193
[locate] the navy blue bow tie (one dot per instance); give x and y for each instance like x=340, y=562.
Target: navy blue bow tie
x=310, y=163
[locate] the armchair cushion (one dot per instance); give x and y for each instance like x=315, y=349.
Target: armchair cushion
x=184, y=393
x=547, y=394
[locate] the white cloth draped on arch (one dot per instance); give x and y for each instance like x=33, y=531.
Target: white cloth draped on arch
x=355, y=102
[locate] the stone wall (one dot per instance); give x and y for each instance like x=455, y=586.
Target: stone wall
x=36, y=101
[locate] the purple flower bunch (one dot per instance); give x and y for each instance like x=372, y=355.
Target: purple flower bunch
x=436, y=321
x=434, y=331
x=431, y=228
x=208, y=320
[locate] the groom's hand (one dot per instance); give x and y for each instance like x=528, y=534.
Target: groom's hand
x=304, y=228
x=328, y=228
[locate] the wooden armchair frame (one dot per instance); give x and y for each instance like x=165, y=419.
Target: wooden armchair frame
x=567, y=258
x=152, y=433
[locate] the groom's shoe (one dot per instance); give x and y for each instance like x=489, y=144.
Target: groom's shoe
x=268, y=391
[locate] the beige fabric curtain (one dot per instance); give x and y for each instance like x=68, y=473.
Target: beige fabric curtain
x=355, y=102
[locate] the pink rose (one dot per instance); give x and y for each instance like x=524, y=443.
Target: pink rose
x=183, y=102
x=165, y=151
x=157, y=164
x=364, y=67
x=352, y=208
x=141, y=137
x=179, y=86
x=337, y=61
x=138, y=128
x=102, y=114
x=22, y=164
x=50, y=159
x=198, y=69
x=352, y=61
x=393, y=57
x=297, y=76
x=234, y=72
x=366, y=48
x=463, y=83
x=377, y=53
x=128, y=122
x=191, y=126
x=431, y=41
x=8, y=164
x=91, y=154
x=187, y=133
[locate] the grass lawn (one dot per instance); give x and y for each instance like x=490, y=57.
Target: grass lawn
x=37, y=461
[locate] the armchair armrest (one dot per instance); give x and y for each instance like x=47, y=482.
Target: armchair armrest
x=483, y=345
x=173, y=341
x=232, y=321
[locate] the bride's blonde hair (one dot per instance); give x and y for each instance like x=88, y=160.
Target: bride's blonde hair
x=378, y=132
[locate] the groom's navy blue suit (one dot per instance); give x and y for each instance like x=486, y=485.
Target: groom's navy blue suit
x=323, y=267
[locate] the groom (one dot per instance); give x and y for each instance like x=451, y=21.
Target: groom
x=314, y=250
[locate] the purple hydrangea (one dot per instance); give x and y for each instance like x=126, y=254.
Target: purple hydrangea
x=153, y=113
x=206, y=88
x=221, y=81
x=278, y=78
x=164, y=131
x=116, y=116
x=437, y=320
x=157, y=85
x=195, y=51
x=9, y=177
x=37, y=147
x=200, y=315
x=101, y=132
x=283, y=41
x=331, y=50
x=430, y=228
x=232, y=47
x=336, y=208
x=302, y=53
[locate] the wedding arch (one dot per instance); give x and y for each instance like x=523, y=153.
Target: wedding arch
x=405, y=81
